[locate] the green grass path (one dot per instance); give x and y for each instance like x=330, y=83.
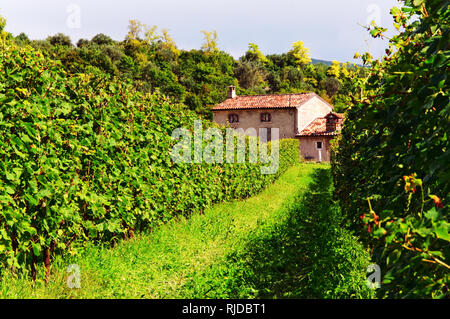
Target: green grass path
x=162, y=264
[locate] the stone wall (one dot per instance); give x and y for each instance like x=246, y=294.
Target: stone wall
x=308, y=147
x=288, y=120
x=284, y=119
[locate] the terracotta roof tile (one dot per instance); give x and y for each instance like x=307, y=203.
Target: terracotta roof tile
x=318, y=127
x=264, y=101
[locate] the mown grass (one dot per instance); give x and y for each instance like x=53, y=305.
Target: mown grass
x=308, y=253
x=178, y=259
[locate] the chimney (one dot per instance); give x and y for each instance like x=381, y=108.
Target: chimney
x=231, y=92
x=331, y=123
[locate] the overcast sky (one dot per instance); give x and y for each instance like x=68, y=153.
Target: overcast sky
x=329, y=28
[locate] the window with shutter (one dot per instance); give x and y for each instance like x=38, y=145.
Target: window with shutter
x=266, y=117
x=233, y=118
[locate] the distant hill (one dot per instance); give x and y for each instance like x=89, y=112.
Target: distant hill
x=316, y=61
x=328, y=63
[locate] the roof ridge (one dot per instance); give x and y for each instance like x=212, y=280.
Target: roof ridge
x=257, y=101
x=280, y=94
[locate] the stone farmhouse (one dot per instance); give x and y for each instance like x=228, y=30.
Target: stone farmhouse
x=305, y=116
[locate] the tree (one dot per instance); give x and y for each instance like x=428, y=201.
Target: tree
x=22, y=39
x=331, y=85
x=134, y=30
x=254, y=54
x=2, y=23
x=82, y=42
x=150, y=34
x=250, y=74
x=169, y=44
x=60, y=39
x=210, y=44
x=301, y=53
x=294, y=76
x=102, y=39
x=113, y=52
x=334, y=69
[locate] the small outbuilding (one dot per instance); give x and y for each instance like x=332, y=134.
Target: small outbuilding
x=315, y=138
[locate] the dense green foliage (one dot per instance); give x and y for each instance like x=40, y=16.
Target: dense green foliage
x=391, y=166
x=199, y=78
x=309, y=253
x=85, y=157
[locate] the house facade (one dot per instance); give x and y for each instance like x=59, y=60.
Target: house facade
x=305, y=116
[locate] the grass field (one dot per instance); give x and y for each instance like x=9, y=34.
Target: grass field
x=242, y=249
